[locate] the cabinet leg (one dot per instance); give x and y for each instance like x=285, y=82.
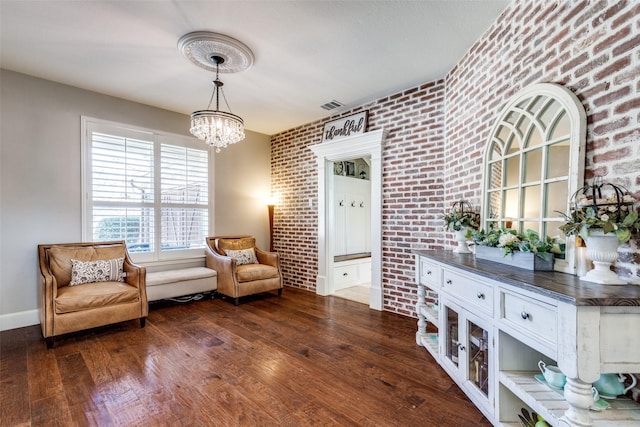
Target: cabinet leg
x=422, y=327
x=422, y=322
x=579, y=397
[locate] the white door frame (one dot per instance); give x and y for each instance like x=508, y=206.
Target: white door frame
x=369, y=145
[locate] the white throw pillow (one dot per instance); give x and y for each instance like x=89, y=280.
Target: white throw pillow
x=104, y=270
x=243, y=256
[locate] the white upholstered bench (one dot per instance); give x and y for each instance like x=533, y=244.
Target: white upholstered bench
x=185, y=281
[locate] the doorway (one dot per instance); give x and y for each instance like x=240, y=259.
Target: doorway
x=352, y=229
x=367, y=145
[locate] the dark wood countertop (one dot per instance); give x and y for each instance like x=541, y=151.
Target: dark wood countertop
x=560, y=286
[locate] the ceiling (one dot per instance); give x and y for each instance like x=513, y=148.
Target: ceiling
x=307, y=53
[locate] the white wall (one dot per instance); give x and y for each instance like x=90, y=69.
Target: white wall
x=40, y=178
x=243, y=186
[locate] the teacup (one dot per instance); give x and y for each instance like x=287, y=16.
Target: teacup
x=595, y=394
x=552, y=375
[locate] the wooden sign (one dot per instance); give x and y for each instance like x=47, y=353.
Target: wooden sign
x=347, y=126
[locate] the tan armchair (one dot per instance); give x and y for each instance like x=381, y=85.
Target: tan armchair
x=68, y=303
x=238, y=274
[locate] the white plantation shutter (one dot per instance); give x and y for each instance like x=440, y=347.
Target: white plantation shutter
x=144, y=187
x=184, y=197
x=122, y=195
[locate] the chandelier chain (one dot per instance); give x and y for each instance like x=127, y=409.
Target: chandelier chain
x=225, y=100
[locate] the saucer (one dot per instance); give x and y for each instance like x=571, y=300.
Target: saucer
x=604, y=396
x=541, y=379
x=600, y=405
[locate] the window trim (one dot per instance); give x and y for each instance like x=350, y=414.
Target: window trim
x=89, y=124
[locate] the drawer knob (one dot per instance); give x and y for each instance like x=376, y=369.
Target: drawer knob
x=524, y=315
x=449, y=282
x=429, y=273
x=345, y=274
x=480, y=295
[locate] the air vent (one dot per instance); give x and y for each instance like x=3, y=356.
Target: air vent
x=332, y=105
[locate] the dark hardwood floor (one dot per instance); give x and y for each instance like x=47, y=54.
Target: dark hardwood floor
x=295, y=360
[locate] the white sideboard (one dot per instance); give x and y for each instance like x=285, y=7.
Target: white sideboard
x=488, y=325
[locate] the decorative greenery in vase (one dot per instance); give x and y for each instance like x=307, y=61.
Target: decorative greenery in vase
x=461, y=217
x=612, y=214
x=511, y=241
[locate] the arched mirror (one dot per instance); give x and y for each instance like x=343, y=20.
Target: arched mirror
x=534, y=162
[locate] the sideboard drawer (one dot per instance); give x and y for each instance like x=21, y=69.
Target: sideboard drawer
x=535, y=319
x=430, y=274
x=469, y=289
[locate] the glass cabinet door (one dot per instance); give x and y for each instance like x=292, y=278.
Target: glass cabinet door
x=467, y=352
x=478, y=357
x=452, y=343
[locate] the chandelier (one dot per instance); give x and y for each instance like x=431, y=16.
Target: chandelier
x=213, y=51
x=217, y=128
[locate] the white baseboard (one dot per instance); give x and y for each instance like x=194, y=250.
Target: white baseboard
x=19, y=320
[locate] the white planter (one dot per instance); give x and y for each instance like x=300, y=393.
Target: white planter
x=602, y=249
x=462, y=247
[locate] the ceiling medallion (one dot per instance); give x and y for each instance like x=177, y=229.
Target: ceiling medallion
x=200, y=47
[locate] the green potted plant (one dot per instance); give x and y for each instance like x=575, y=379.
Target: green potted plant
x=460, y=219
x=603, y=214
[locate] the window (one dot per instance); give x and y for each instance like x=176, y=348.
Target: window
x=148, y=188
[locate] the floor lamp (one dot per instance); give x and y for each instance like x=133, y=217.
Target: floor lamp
x=270, y=208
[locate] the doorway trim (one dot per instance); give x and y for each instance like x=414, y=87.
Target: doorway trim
x=368, y=145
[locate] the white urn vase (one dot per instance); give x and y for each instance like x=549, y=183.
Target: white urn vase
x=462, y=247
x=602, y=249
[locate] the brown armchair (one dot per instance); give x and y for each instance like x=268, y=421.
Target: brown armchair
x=88, y=295
x=240, y=274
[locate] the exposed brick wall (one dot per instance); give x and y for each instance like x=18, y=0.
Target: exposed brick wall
x=411, y=190
x=412, y=186
x=433, y=153
x=294, y=182
x=591, y=47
